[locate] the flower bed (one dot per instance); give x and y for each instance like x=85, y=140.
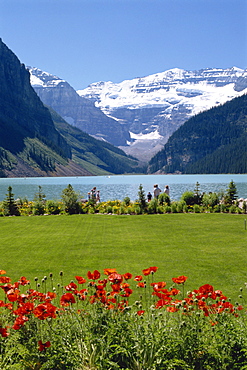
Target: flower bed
x=119, y=321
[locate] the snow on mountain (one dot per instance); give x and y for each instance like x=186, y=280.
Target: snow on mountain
x=153, y=107
x=169, y=88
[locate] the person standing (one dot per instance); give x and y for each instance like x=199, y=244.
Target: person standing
x=149, y=196
x=157, y=191
x=167, y=190
x=97, y=196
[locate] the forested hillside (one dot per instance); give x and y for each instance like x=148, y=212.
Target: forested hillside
x=97, y=157
x=214, y=141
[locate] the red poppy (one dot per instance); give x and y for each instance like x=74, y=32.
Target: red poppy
x=158, y=286
x=141, y=285
x=109, y=271
x=93, y=275
x=206, y=289
x=127, y=276
x=4, y=279
x=127, y=292
x=45, y=310
x=71, y=286
x=180, y=279
x=115, y=278
x=140, y=312
x=80, y=280
x=146, y=271
x=19, y=322
x=172, y=308
x=43, y=346
x=66, y=299
x=3, y=332
x=23, y=281
x=138, y=278
x=162, y=302
x=150, y=270
x=2, y=272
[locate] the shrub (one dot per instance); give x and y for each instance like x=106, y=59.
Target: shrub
x=126, y=201
x=164, y=199
x=152, y=206
x=189, y=198
x=38, y=208
x=196, y=208
x=210, y=200
x=53, y=207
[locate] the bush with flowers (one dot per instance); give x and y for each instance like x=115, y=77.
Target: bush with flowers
x=119, y=321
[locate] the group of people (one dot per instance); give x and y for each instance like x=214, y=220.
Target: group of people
x=94, y=194
x=157, y=191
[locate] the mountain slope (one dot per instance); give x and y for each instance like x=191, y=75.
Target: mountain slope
x=76, y=110
x=155, y=106
x=31, y=145
x=214, y=141
x=96, y=156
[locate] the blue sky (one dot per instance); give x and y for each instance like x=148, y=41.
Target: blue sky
x=84, y=41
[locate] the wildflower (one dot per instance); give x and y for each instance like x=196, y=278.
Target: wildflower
x=43, y=346
x=93, y=276
x=71, y=286
x=66, y=299
x=45, y=310
x=115, y=278
x=180, y=279
x=127, y=276
x=138, y=278
x=80, y=280
x=141, y=285
x=3, y=332
x=158, y=286
x=150, y=270
x=23, y=281
x=2, y=272
x=109, y=271
x=19, y=322
x=140, y=312
x=4, y=279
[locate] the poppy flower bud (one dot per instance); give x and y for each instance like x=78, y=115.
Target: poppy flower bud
x=51, y=274
x=36, y=279
x=45, y=277
x=61, y=273
x=38, y=285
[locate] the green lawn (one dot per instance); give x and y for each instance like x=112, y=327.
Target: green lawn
x=208, y=248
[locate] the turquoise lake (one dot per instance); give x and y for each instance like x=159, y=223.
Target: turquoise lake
x=118, y=187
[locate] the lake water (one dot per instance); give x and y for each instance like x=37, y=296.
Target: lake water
x=118, y=187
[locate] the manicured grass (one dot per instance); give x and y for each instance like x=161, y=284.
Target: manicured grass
x=208, y=248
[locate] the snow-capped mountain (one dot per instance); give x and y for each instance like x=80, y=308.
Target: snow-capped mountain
x=153, y=107
x=76, y=110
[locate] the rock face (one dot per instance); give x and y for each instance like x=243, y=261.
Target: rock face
x=76, y=110
x=155, y=106
x=22, y=113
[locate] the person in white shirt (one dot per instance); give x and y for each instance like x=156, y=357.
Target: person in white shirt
x=157, y=191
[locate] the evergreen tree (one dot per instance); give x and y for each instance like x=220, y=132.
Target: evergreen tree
x=40, y=196
x=70, y=199
x=10, y=205
x=231, y=193
x=142, y=199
